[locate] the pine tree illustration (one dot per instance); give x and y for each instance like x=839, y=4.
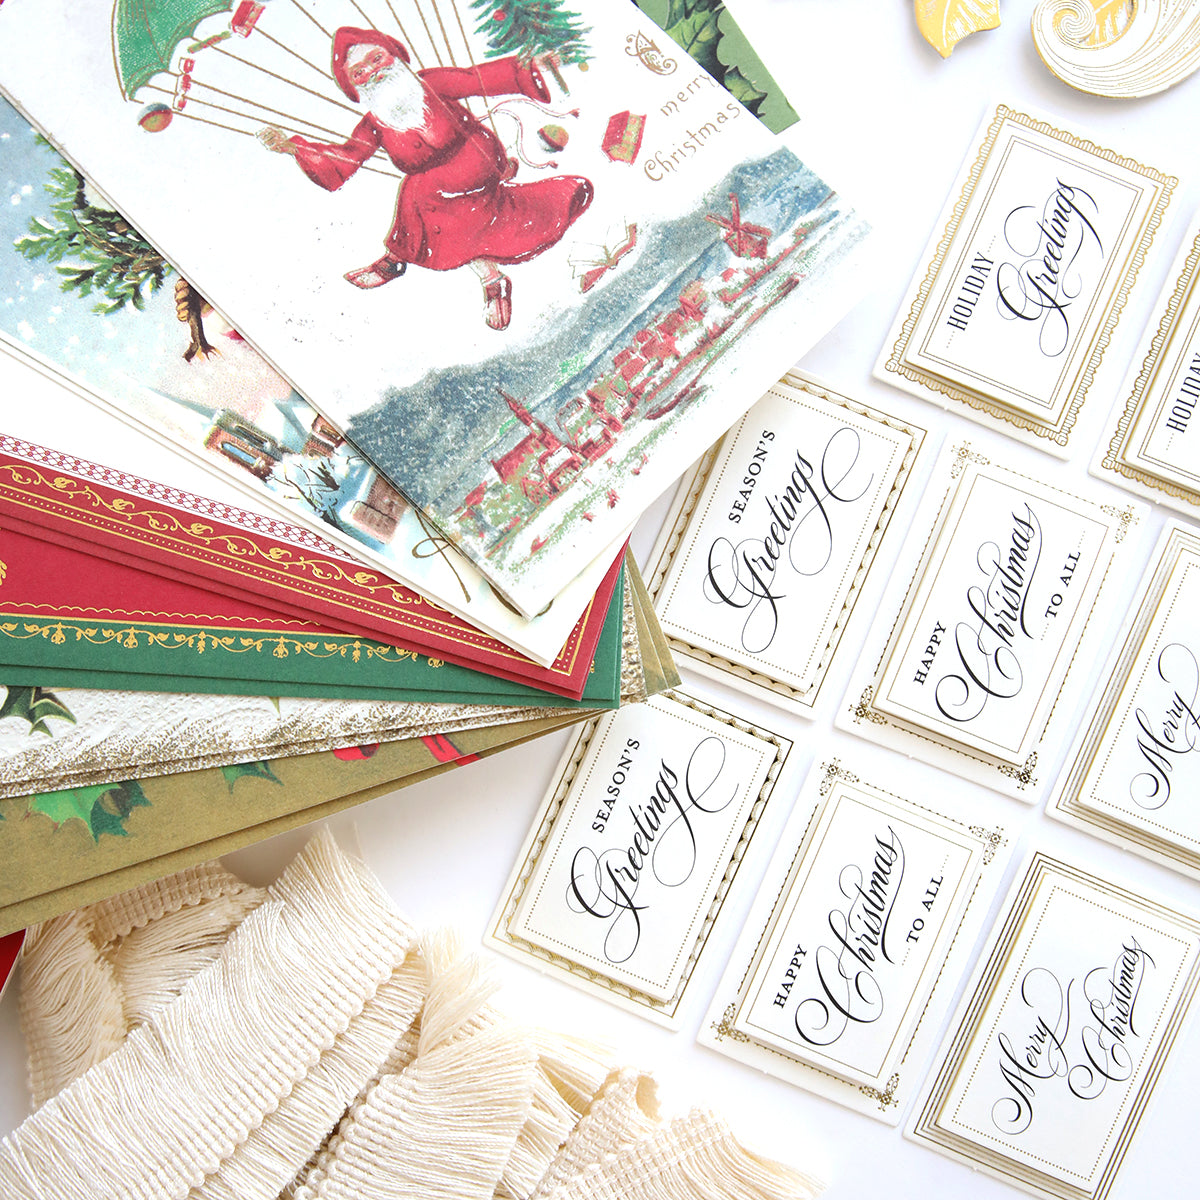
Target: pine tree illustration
x=96, y=252
x=527, y=28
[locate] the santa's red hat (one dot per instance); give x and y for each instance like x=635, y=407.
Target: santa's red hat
x=348, y=37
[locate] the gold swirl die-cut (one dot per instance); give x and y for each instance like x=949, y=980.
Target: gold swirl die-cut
x=1118, y=48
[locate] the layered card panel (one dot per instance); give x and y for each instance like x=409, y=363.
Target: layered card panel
x=636, y=844
x=1026, y=274
x=1154, y=449
x=1062, y=1033
x=1007, y=584
x=764, y=554
x=1133, y=774
x=869, y=907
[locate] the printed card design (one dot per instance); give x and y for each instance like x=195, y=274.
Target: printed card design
x=1062, y=1033
x=1155, y=448
x=761, y=562
x=1134, y=771
x=999, y=604
x=1041, y=240
x=839, y=959
x=628, y=862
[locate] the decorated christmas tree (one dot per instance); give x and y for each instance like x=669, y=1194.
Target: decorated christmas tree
x=527, y=28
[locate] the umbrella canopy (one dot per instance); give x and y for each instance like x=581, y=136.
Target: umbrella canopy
x=146, y=32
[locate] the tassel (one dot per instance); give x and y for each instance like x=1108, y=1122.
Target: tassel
x=160, y=1115
x=694, y=1156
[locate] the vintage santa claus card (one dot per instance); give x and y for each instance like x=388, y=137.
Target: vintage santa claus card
x=529, y=262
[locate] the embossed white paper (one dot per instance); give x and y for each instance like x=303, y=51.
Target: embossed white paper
x=756, y=577
x=1136, y=769
x=1042, y=236
x=635, y=846
x=1062, y=1033
x=1006, y=591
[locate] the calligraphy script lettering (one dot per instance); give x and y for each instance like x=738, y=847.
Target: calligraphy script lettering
x=988, y=661
x=1162, y=741
x=1043, y=284
x=1038, y=1054
x=662, y=841
x=846, y=970
x=799, y=532
x=1111, y=996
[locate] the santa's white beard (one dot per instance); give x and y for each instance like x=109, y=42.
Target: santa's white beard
x=398, y=99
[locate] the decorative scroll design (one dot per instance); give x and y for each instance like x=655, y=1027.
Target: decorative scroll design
x=1119, y=48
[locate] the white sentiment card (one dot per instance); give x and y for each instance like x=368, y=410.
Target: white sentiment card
x=1134, y=772
x=1154, y=447
x=831, y=982
x=1062, y=1033
x=1025, y=275
x=637, y=841
x=1007, y=573
x=764, y=554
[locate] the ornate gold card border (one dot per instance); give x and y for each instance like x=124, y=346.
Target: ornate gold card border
x=698, y=481
x=1060, y=432
x=923, y=1126
x=884, y=1098
x=863, y=709
x=1114, y=457
x=1066, y=803
x=662, y=1010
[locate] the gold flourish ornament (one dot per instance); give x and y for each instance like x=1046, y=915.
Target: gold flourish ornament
x=1119, y=48
x=944, y=23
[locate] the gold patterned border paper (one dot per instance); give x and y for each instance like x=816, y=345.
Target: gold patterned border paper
x=1154, y=449
x=1028, y=269
x=1134, y=772
x=867, y=916
x=768, y=543
x=628, y=863
x=1008, y=587
x=1062, y=1033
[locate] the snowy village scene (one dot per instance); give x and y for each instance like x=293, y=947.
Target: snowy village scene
x=514, y=260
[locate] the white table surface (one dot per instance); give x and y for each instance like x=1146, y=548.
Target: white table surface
x=872, y=92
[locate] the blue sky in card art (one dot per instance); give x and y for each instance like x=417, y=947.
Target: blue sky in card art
x=35, y=311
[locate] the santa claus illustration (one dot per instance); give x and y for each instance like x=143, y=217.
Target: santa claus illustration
x=458, y=204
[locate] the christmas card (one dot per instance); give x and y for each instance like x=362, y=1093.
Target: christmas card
x=361, y=192
x=266, y=567
x=119, y=328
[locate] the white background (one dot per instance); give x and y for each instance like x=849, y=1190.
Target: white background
x=872, y=92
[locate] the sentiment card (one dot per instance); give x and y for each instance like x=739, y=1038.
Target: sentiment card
x=766, y=549
x=1007, y=572
x=863, y=913
x=1062, y=1033
x=1027, y=272
x=1133, y=773
x=1151, y=450
x=635, y=846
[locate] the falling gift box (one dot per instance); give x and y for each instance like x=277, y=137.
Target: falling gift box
x=623, y=137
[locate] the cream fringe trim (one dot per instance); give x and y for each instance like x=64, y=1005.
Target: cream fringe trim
x=89, y=977
x=310, y=1050
x=695, y=1157
x=160, y=1116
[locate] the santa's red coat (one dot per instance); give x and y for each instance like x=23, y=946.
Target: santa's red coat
x=454, y=203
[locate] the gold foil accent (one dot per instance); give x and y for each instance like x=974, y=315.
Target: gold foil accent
x=944, y=23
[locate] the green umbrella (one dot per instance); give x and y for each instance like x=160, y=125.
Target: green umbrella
x=146, y=32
